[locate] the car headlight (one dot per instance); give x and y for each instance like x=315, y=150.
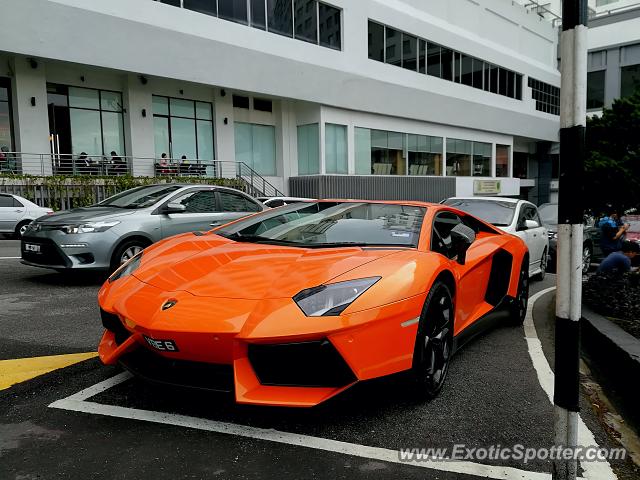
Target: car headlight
x=332, y=299
x=89, y=227
x=127, y=268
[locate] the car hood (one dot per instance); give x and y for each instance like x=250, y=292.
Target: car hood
x=85, y=214
x=212, y=266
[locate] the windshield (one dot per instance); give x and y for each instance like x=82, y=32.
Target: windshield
x=327, y=224
x=549, y=213
x=495, y=212
x=139, y=197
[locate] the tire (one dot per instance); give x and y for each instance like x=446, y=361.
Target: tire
x=434, y=343
x=127, y=250
x=518, y=305
x=21, y=227
x=587, y=255
x=544, y=264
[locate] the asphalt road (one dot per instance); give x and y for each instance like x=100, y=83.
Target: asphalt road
x=492, y=396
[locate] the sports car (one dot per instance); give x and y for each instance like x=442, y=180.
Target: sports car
x=292, y=306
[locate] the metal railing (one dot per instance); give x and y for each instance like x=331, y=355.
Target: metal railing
x=45, y=164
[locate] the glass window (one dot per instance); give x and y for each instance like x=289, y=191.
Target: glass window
x=376, y=41
x=199, y=201
x=467, y=70
x=111, y=101
x=280, y=17
x=258, y=16
x=175, y=3
x=629, y=80
x=232, y=202
x=160, y=105
x=308, y=149
x=493, y=79
x=425, y=155
x=458, y=157
x=422, y=56
x=456, y=67
x=511, y=81
x=161, y=136
x=502, y=160
x=502, y=81
x=6, y=143
x=481, y=159
x=518, y=86
x=86, y=133
x=256, y=146
x=409, y=52
x=204, y=130
x=203, y=111
x=6, y=201
x=112, y=132
x=495, y=212
x=433, y=60
x=208, y=7
x=234, y=10
x=262, y=105
x=183, y=138
x=240, y=101
x=181, y=108
x=446, y=63
x=393, y=46
x=335, y=148
x=387, y=153
x=595, y=89
x=520, y=164
x=362, y=139
x=306, y=20
x=330, y=32
x=83, y=98
x=477, y=73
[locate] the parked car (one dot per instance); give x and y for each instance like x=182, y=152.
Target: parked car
x=517, y=217
x=105, y=235
x=633, y=233
x=273, y=202
x=294, y=305
x=16, y=213
x=591, y=250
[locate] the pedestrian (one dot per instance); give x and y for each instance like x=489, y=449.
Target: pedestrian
x=619, y=262
x=612, y=231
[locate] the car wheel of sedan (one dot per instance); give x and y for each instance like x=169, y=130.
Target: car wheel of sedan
x=434, y=342
x=518, y=307
x=544, y=262
x=127, y=251
x=21, y=228
x=586, y=258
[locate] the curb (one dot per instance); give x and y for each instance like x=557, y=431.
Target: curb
x=616, y=354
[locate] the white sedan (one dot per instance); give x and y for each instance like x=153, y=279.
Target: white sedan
x=17, y=212
x=517, y=217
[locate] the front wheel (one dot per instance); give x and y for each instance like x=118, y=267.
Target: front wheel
x=434, y=342
x=544, y=261
x=21, y=228
x=518, y=306
x=126, y=251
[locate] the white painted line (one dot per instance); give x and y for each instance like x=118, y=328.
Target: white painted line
x=9, y=258
x=100, y=387
x=592, y=470
x=306, y=441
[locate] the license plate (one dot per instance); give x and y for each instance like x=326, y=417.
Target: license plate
x=30, y=247
x=162, y=345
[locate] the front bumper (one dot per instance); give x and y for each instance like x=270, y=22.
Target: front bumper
x=61, y=251
x=247, y=346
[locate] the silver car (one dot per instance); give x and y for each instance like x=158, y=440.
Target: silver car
x=16, y=213
x=105, y=235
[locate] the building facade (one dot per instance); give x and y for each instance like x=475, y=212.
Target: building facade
x=463, y=95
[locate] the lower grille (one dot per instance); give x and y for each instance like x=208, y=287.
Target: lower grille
x=155, y=368
x=307, y=364
x=112, y=323
x=49, y=254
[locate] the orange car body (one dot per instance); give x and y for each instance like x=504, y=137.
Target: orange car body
x=228, y=297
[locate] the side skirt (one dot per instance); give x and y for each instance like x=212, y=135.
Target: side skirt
x=488, y=321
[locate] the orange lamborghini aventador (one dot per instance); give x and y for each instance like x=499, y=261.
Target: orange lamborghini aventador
x=293, y=305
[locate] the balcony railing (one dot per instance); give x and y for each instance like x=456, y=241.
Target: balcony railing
x=45, y=164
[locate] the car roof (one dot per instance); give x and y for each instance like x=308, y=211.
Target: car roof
x=493, y=199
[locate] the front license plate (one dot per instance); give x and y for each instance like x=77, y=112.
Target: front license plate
x=162, y=345
x=31, y=247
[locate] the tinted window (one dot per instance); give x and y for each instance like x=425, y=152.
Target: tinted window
x=203, y=201
x=306, y=20
x=203, y=6
x=240, y=102
x=441, y=235
x=139, y=197
x=17, y=203
x=409, y=52
x=495, y=212
x=595, y=89
x=331, y=224
x=330, y=26
x=230, y=202
x=376, y=41
x=233, y=10
x=549, y=213
x=279, y=16
x=258, y=18
x=6, y=201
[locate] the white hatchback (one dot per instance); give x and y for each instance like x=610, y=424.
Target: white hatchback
x=517, y=217
x=17, y=212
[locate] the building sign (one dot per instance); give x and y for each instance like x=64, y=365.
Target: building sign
x=486, y=187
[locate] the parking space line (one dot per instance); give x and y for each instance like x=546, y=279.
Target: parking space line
x=592, y=470
x=299, y=440
x=21, y=369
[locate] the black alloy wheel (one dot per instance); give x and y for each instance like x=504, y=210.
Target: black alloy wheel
x=518, y=307
x=434, y=342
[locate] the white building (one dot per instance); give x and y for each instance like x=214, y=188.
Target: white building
x=396, y=97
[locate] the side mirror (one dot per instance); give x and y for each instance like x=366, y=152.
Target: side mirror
x=462, y=237
x=530, y=224
x=174, y=208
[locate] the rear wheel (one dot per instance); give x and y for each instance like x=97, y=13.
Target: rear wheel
x=518, y=306
x=126, y=251
x=434, y=342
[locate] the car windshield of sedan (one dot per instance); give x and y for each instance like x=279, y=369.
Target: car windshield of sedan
x=495, y=212
x=332, y=224
x=139, y=197
x=549, y=213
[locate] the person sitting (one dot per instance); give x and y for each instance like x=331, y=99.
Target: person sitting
x=163, y=167
x=118, y=164
x=612, y=230
x=85, y=165
x=185, y=166
x=619, y=262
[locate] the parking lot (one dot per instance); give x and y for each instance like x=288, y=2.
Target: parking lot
x=91, y=421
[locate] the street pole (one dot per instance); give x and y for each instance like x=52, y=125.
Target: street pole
x=573, y=103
